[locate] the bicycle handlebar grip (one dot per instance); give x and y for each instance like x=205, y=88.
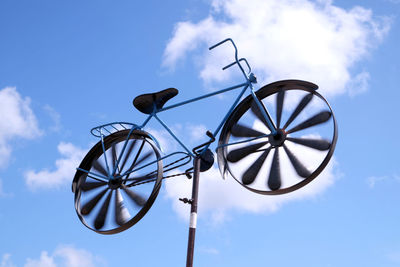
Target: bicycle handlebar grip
x=228, y=66
x=236, y=62
x=214, y=46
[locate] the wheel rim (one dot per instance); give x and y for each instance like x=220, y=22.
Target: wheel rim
x=281, y=163
x=108, y=201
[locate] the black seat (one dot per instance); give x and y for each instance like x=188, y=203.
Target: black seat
x=146, y=103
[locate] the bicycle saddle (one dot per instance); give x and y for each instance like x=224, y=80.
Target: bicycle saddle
x=147, y=102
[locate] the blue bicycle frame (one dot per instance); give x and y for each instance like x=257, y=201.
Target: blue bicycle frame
x=248, y=85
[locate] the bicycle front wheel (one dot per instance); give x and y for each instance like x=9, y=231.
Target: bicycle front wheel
x=275, y=163
x=117, y=182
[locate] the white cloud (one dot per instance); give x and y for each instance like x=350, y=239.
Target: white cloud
x=55, y=117
x=63, y=173
x=372, y=181
x=197, y=132
x=44, y=261
x=73, y=257
x=206, y=250
x=164, y=139
x=359, y=84
x=190, y=133
x=394, y=256
x=66, y=256
x=315, y=41
x=218, y=198
x=6, y=261
x=17, y=121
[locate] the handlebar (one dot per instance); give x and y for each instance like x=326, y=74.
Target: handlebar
x=237, y=61
x=220, y=43
x=233, y=63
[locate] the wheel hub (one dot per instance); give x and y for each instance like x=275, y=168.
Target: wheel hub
x=278, y=138
x=115, y=183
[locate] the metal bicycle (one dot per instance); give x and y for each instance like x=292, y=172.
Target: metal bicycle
x=274, y=141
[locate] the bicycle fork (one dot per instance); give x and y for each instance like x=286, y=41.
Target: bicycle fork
x=264, y=111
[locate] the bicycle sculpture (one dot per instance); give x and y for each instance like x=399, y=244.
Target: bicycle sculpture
x=119, y=179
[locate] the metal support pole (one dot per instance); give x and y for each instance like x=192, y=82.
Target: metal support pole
x=193, y=212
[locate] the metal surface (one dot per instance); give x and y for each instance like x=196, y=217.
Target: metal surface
x=95, y=187
x=250, y=79
x=206, y=160
x=108, y=182
x=193, y=212
x=109, y=128
x=233, y=148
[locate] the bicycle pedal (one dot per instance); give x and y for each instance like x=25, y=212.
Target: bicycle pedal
x=188, y=173
x=186, y=201
x=209, y=134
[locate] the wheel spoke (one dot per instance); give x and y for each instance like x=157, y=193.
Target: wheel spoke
x=238, y=154
x=96, y=187
x=97, y=177
x=319, y=118
x=92, y=175
x=146, y=156
x=121, y=212
x=256, y=111
x=259, y=162
x=298, y=166
x=274, y=179
x=128, y=152
x=303, y=103
x=251, y=173
x=88, y=207
x=239, y=130
x=279, y=106
x=138, y=153
x=320, y=144
x=87, y=186
x=98, y=167
x=139, y=200
x=136, y=161
x=114, y=156
x=101, y=216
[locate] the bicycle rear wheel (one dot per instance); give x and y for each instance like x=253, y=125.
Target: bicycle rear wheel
x=304, y=142
x=117, y=182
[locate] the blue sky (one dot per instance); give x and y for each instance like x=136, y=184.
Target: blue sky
x=68, y=66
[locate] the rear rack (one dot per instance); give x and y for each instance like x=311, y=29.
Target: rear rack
x=110, y=128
